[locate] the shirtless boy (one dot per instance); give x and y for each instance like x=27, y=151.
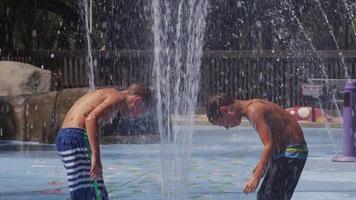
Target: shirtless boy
x=285, y=150
x=80, y=131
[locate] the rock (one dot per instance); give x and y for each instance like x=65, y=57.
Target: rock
x=17, y=117
x=45, y=113
x=7, y=120
x=23, y=79
x=40, y=117
x=36, y=117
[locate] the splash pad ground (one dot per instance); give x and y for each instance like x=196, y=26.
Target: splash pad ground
x=221, y=162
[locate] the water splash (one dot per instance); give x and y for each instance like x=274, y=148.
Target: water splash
x=341, y=56
x=89, y=58
x=323, y=69
x=178, y=29
x=350, y=15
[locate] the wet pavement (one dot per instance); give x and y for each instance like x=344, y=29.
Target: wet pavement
x=222, y=160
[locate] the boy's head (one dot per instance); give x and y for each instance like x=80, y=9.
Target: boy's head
x=220, y=110
x=138, y=101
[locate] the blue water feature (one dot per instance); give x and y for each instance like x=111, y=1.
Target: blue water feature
x=221, y=161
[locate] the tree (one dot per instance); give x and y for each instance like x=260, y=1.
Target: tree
x=37, y=24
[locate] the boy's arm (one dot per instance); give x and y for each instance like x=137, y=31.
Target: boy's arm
x=91, y=125
x=259, y=122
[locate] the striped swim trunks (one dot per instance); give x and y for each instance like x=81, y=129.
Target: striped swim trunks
x=72, y=149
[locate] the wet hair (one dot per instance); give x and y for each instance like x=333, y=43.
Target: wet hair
x=141, y=91
x=214, y=103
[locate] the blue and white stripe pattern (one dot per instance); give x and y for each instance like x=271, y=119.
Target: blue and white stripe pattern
x=74, y=155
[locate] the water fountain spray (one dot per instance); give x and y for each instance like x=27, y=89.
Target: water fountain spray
x=178, y=31
x=88, y=29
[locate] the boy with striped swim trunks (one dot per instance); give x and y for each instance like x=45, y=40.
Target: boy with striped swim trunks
x=285, y=150
x=78, y=142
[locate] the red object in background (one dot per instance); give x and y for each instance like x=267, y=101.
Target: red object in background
x=310, y=114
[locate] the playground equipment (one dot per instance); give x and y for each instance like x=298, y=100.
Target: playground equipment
x=349, y=124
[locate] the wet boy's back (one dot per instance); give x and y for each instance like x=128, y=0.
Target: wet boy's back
x=80, y=110
x=284, y=129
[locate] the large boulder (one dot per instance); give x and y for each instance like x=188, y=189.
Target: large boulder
x=13, y=115
x=40, y=117
x=7, y=120
x=45, y=113
x=23, y=79
x=36, y=117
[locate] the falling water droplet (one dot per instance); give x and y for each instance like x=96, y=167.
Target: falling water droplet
x=34, y=33
x=52, y=55
x=259, y=24
x=239, y=4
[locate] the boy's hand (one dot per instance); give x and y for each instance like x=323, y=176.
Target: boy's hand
x=96, y=169
x=251, y=184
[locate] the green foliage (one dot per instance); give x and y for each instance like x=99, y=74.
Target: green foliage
x=231, y=24
x=37, y=24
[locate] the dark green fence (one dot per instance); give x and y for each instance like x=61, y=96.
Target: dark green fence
x=273, y=75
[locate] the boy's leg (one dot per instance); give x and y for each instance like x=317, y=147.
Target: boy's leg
x=268, y=187
x=281, y=179
x=71, y=148
x=294, y=170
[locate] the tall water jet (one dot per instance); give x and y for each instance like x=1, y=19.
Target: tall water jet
x=341, y=56
x=350, y=15
x=324, y=73
x=87, y=13
x=178, y=29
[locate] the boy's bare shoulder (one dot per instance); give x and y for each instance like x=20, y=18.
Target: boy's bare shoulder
x=108, y=91
x=257, y=106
